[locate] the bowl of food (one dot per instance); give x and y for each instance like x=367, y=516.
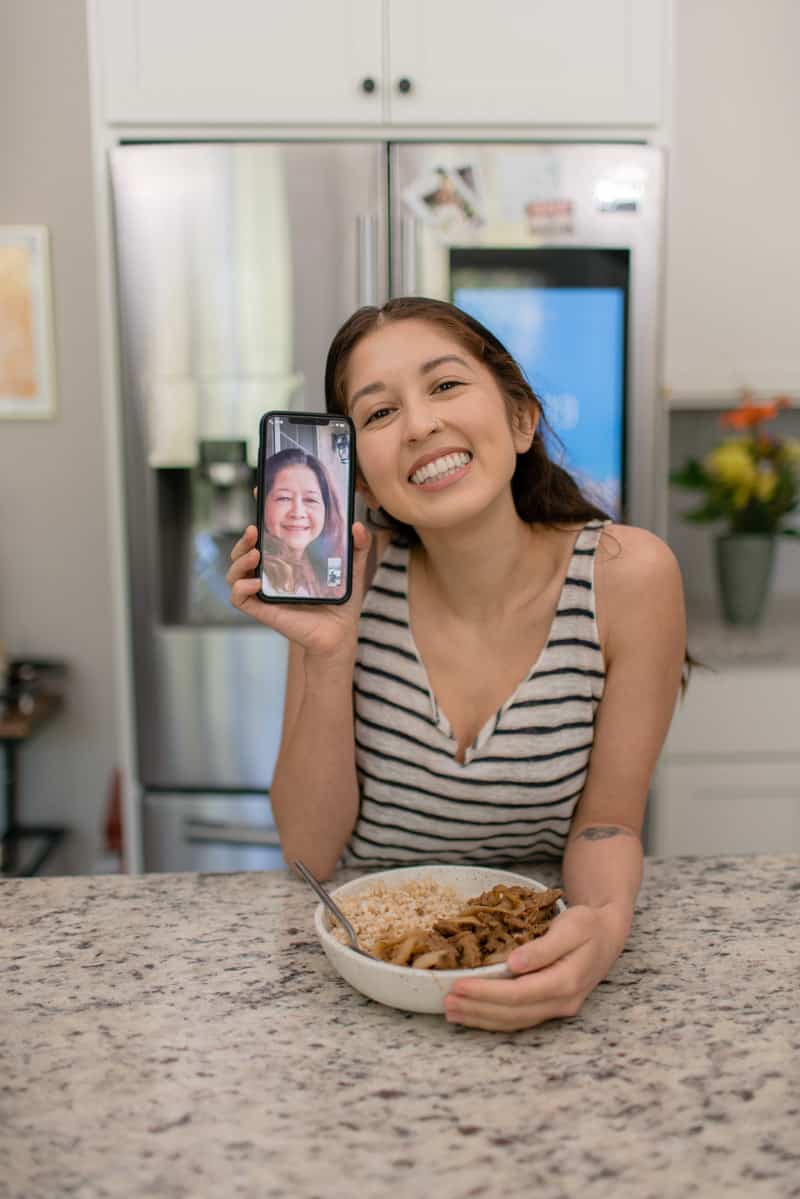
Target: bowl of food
x=427, y=926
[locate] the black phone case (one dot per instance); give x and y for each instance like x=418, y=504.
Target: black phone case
x=311, y=418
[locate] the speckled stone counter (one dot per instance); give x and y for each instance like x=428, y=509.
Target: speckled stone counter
x=184, y=1036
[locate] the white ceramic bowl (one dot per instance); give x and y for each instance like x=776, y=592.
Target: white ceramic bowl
x=403, y=986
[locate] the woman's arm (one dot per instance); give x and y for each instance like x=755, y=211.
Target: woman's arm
x=314, y=792
x=642, y=627
x=640, y=612
x=602, y=869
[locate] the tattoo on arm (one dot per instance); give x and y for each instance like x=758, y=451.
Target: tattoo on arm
x=602, y=833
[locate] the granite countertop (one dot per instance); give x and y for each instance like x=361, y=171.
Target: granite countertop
x=184, y=1036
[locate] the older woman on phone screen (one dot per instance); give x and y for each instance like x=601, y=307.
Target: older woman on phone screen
x=303, y=526
x=499, y=686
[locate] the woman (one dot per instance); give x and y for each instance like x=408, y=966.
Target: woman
x=303, y=526
x=514, y=663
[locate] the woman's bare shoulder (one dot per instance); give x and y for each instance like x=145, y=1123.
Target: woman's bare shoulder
x=634, y=570
x=629, y=553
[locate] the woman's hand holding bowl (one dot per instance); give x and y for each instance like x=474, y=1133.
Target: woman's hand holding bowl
x=325, y=631
x=555, y=974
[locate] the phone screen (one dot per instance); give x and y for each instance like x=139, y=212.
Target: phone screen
x=305, y=499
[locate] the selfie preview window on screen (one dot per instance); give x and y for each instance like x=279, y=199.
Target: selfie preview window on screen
x=562, y=313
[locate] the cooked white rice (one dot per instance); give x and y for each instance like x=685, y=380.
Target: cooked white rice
x=380, y=912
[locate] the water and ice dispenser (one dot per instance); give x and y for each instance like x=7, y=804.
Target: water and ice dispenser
x=202, y=511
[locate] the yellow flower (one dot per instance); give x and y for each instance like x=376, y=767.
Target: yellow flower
x=790, y=451
x=766, y=483
x=732, y=465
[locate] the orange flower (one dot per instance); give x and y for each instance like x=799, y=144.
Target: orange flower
x=749, y=414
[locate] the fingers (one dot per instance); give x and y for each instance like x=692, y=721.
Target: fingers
x=362, y=540
x=564, y=935
x=245, y=542
x=243, y=567
x=244, y=584
x=517, y=1003
x=550, y=984
x=244, y=591
x=495, y=1017
x=555, y=973
x=244, y=596
x=244, y=558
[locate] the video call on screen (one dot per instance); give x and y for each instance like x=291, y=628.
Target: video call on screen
x=304, y=517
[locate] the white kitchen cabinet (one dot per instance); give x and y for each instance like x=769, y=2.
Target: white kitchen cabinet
x=732, y=295
x=728, y=780
x=730, y=709
x=174, y=61
x=424, y=62
x=526, y=62
x=738, y=806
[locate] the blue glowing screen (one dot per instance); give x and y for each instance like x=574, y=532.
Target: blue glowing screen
x=570, y=342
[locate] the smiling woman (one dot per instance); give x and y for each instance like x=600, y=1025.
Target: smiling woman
x=501, y=682
x=303, y=525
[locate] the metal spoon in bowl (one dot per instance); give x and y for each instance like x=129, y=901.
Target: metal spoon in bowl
x=308, y=877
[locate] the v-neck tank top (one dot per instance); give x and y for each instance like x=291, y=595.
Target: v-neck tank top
x=513, y=797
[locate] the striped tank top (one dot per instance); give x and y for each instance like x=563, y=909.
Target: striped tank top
x=513, y=797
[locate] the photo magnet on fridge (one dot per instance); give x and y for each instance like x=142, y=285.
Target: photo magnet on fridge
x=447, y=198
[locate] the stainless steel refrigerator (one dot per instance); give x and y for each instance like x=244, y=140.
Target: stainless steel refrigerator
x=236, y=264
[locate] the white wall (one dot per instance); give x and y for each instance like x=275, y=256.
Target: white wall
x=54, y=563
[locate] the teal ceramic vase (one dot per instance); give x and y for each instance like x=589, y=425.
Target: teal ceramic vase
x=744, y=564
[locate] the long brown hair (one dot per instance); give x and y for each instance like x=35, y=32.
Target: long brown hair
x=542, y=490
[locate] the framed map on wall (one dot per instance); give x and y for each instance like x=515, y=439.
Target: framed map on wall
x=27, y=365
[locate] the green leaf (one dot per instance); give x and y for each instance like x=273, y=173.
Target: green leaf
x=692, y=475
x=707, y=512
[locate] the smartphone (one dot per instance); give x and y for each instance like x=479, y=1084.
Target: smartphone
x=305, y=500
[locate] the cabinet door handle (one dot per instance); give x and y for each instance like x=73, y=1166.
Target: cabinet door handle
x=368, y=85
x=404, y=85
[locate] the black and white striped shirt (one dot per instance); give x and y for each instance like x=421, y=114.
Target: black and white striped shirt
x=513, y=797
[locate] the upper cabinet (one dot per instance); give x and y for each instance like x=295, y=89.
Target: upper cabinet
x=732, y=313
x=177, y=61
x=372, y=62
x=509, y=62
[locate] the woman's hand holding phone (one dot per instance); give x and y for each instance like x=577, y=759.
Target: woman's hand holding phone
x=324, y=631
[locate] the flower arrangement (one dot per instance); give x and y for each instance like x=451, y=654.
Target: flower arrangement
x=752, y=481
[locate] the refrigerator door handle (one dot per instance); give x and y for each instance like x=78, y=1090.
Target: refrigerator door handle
x=367, y=243
x=228, y=833
x=409, y=255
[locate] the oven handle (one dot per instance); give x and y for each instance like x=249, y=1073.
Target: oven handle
x=228, y=833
